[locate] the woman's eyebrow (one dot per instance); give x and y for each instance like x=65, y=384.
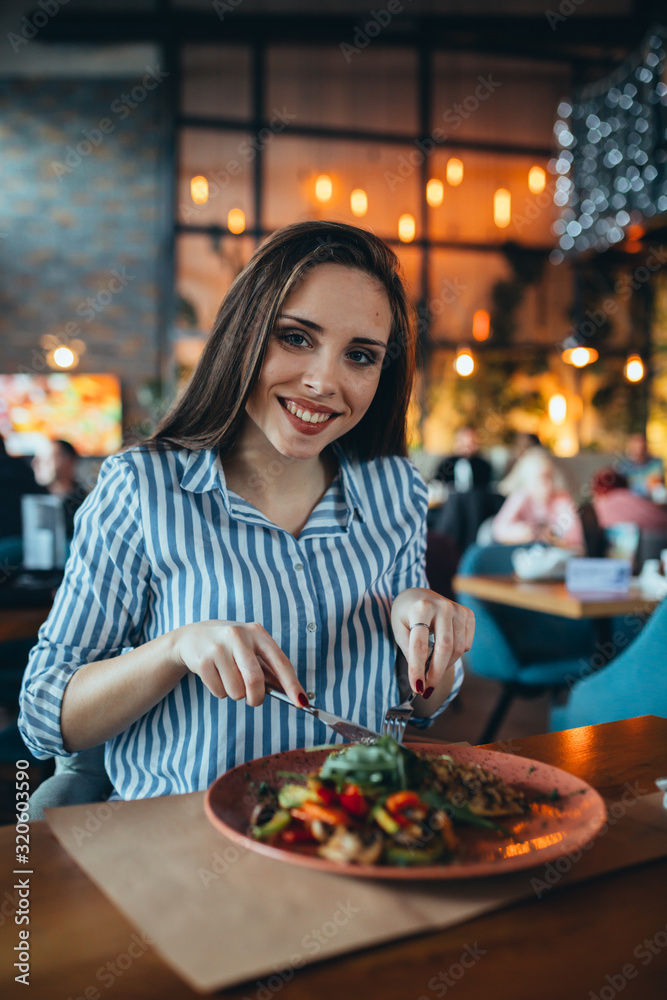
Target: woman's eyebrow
x=306, y=322
x=319, y=329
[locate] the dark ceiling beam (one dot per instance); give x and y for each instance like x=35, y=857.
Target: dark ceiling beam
x=579, y=38
x=363, y=135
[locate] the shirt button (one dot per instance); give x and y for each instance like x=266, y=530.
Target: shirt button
x=311, y=626
x=298, y=566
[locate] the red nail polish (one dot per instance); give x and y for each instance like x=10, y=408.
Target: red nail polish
x=303, y=701
x=420, y=686
x=428, y=692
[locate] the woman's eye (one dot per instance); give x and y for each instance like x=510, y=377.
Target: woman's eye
x=288, y=338
x=363, y=359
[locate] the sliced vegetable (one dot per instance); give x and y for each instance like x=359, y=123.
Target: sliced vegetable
x=395, y=855
x=385, y=820
x=297, y=835
x=278, y=822
x=400, y=801
x=352, y=800
x=291, y=796
x=326, y=814
x=326, y=794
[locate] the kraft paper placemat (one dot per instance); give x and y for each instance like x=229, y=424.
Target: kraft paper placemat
x=220, y=915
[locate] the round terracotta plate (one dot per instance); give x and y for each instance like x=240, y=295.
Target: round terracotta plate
x=554, y=826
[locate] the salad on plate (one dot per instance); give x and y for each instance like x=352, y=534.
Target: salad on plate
x=383, y=804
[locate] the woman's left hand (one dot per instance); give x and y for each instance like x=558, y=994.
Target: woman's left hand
x=453, y=628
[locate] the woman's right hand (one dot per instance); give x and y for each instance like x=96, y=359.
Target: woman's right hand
x=235, y=659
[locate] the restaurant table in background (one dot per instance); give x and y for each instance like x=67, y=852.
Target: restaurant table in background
x=553, y=597
x=558, y=947
x=25, y=603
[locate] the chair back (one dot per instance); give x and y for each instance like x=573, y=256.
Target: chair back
x=531, y=635
x=634, y=683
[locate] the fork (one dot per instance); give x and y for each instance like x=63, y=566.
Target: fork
x=396, y=718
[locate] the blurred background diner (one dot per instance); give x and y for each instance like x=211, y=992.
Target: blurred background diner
x=513, y=157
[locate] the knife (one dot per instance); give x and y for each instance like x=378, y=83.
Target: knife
x=349, y=730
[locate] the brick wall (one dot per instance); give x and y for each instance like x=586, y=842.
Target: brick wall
x=79, y=226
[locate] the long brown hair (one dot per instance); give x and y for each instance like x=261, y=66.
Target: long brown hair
x=210, y=411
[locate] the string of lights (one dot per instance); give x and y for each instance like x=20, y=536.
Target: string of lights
x=612, y=162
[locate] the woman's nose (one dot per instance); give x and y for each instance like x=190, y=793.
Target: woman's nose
x=321, y=377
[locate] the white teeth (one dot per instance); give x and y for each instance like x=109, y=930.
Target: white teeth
x=306, y=415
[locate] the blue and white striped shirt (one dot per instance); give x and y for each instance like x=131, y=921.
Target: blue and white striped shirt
x=161, y=542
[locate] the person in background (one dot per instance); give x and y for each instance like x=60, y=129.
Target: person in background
x=645, y=473
x=470, y=502
x=16, y=480
x=465, y=469
x=615, y=503
x=539, y=508
x=522, y=442
x=55, y=468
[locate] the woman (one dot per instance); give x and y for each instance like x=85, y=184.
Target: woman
x=539, y=508
x=615, y=503
x=271, y=526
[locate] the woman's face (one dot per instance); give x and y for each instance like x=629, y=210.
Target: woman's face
x=543, y=485
x=323, y=361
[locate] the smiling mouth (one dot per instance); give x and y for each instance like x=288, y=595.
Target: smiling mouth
x=308, y=416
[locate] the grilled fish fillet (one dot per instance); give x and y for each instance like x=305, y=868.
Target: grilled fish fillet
x=481, y=790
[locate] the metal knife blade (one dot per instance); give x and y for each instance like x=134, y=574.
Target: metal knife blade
x=349, y=730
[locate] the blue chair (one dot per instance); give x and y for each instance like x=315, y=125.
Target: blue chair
x=634, y=683
x=527, y=651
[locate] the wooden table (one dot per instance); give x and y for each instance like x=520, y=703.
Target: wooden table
x=553, y=598
x=21, y=623
x=557, y=948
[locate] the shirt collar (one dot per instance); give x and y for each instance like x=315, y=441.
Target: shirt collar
x=349, y=476
x=203, y=472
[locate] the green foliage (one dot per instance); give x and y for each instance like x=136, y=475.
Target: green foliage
x=507, y=295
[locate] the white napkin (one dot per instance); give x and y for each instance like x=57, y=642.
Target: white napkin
x=540, y=562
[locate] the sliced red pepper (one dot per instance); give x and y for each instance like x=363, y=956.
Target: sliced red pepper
x=326, y=814
x=297, y=836
x=352, y=800
x=400, y=801
x=328, y=795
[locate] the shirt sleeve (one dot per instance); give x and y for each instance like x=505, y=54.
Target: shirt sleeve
x=410, y=568
x=99, y=608
x=456, y=686
x=411, y=572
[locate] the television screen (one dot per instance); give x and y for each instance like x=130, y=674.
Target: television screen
x=82, y=409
